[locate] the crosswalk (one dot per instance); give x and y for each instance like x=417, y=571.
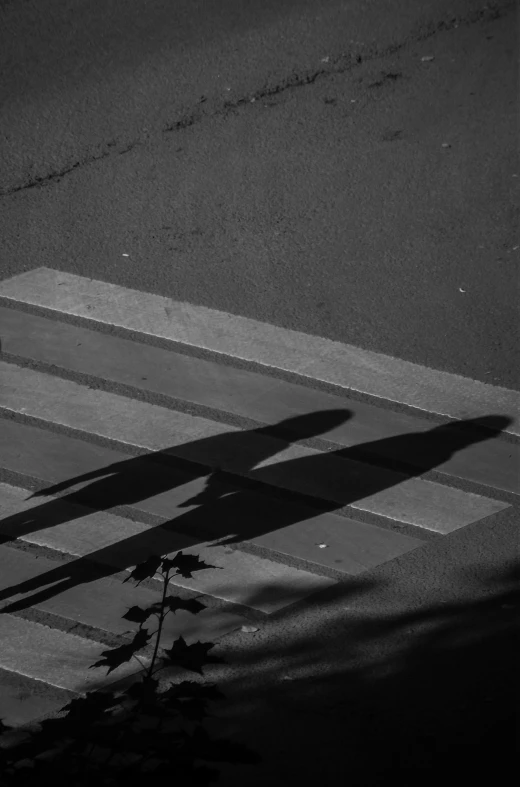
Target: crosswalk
x=148, y=426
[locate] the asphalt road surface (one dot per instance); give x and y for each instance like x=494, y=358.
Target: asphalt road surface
x=347, y=169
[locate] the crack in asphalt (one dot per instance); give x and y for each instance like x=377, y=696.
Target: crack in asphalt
x=59, y=174
x=340, y=65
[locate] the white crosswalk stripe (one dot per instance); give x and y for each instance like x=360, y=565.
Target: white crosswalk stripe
x=220, y=332
x=238, y=577
x=126, y=454
x=55, y=657
x=413, y=501
x=190, y=379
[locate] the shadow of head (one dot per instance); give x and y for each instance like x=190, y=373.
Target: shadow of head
x=308, y=425
x=473, y=430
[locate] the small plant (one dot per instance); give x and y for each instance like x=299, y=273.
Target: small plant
x=118, y=737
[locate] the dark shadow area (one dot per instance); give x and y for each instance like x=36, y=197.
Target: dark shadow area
x=425, y=696
x=225, y=508
x=425, y=693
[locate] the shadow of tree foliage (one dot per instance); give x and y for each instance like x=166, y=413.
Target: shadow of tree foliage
x=428, y=695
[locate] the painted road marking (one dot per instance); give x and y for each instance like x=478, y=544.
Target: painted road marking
x=55, y=657
x=100, y=538
x=268, y=345
x=247, y=515
x=103, y=602
x=54, y=458
x=119, y=543
x=492, y=462
x=22, y=699
x=296, y=468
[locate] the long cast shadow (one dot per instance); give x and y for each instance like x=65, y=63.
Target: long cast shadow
x=223, y=509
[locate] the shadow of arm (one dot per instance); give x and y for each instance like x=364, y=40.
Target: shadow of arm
x=70, y=482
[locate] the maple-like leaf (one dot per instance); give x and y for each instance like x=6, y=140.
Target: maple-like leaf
x=190, y=689
x=91, y=707
x=144, y=690
x=116, y=656
x=185, y=565
x=139, y=615
x=187, y=605
x=146, y=569
x=51, y=733
x=192, y=657
x=54, y=728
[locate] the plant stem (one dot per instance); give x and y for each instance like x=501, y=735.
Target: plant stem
x=166, y=578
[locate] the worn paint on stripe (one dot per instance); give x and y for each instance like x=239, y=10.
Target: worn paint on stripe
x=119, y=543
x=52, y=656
x=263, y=398
x=318, y=358
x=295, y=468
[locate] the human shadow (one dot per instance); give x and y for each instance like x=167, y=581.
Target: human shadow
x=225, y=508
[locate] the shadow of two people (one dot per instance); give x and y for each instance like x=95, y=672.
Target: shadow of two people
x=224, y=508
